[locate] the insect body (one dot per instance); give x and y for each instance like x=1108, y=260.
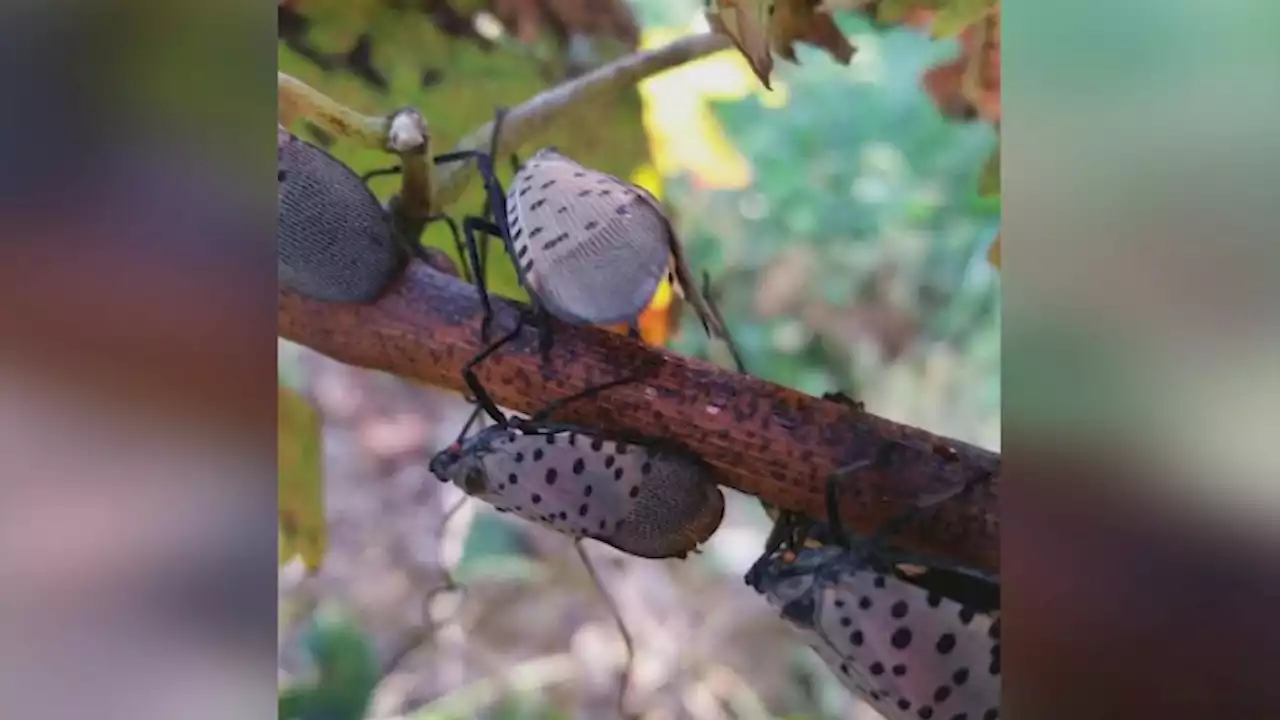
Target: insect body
x=912, y=637
x=588, y=247
x=593, y=248
x=644, y=498
x=908, y=652
x=336, y=242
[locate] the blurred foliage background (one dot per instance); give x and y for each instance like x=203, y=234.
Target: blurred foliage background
x=839, y=219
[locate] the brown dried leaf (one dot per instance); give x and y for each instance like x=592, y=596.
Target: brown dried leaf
x=758, y=27
x=528, y=20
x=804, y=21
x=969, y=86
x=522, y=18
x=746, y=23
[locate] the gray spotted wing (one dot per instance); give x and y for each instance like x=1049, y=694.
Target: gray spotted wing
x=912, y=654
x=650, y=504
x=909, y=653
x=591, y=247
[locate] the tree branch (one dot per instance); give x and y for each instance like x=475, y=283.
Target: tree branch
x=763, y=439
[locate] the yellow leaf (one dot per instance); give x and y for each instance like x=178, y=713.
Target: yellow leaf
x=989, y=183
x=301, y=501
x=647, y=177
x=993, y=252
x=956, y=15
x=684, y=136
x=895, y=11
x=746, y=23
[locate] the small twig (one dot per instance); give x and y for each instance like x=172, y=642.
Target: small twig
x=526, y=676
x=532, y=117
x=627, y=640
x=296, y=99
x=419, y=636
x=736, y=693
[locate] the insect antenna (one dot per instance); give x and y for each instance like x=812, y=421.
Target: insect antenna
x=627, y=639
x=559, y=403
x=483, y=399
x=715, y=313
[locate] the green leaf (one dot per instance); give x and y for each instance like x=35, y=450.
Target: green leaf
x=301, y=501
x=956, y=15
x=292, y=703
x=348, y=672
x=989, y=183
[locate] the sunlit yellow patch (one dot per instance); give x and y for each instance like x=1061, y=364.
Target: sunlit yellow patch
x=657, y=322
x=683, y=134
x=302, y=528
x=647, y=177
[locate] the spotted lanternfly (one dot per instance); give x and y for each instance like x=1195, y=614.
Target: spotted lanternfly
x=647, y=498
x=907, y=652
x=336, y=241
x=912, y=639
x=588, y=247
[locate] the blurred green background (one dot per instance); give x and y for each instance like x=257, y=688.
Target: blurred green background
x=839, y=219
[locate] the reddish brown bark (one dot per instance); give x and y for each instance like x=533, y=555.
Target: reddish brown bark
x=762, y=439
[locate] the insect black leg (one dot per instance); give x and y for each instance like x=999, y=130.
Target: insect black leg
x=545, y=337
x=470, y=226
x=784, y=532
x=493, y=208
x=494, y=194
x=895, y=525
x=497, y=208
x=633, y=332
x=834, y=525
x=365, y=178
x=457, y=242
x=843, y=398
x=483, y=399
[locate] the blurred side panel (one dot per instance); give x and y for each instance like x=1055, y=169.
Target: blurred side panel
x=1142, y=376
x=137, y=370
